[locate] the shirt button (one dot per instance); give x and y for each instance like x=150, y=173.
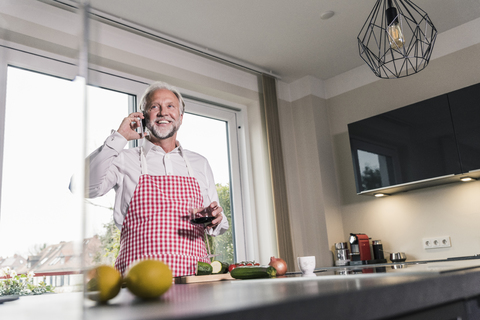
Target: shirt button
x=169, y=173
x=167, y=156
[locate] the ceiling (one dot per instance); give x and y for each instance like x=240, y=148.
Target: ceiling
x=286, y=37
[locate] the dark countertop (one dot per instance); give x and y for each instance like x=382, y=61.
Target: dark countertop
x=394, y=290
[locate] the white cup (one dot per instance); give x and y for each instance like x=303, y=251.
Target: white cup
x=306, y=264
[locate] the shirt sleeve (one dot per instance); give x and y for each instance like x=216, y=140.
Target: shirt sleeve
x=102, y=172
x=213, y=196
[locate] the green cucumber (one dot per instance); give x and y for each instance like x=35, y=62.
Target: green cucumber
x=253, y=272
x=203, y=268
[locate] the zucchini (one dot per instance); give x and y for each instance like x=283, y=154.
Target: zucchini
x=253, y=272
x=219, y=267
x=203, y=268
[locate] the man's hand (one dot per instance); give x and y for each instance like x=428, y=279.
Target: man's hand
x=217, y=213
x=129, y=125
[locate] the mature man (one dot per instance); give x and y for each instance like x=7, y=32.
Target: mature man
x=156, y=185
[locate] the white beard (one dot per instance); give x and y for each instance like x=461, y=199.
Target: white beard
x=164, y=133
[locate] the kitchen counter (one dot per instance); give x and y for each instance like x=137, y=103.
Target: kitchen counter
x=365, y=292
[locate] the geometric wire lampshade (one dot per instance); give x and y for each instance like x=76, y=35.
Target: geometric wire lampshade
x=397, y=39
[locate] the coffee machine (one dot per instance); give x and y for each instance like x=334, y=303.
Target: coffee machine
x=359, y=248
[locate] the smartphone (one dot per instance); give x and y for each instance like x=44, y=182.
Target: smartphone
x=141, y=129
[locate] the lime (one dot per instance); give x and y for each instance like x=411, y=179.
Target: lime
x=103, y=283
x=149, y=279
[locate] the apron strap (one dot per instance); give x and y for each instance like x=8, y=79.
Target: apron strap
x=189, y=166
x=143, y=162
x=144, y=168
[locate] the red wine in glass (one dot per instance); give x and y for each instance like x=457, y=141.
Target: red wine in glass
x=203, y=217
x=202, y=220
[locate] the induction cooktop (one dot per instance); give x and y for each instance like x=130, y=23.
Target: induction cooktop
x=453, y=264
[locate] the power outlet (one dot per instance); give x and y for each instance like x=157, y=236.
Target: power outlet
x=437, y=242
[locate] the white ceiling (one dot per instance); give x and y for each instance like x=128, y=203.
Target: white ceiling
x=286, y=37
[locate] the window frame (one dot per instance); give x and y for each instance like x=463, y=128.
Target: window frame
x=237, y=206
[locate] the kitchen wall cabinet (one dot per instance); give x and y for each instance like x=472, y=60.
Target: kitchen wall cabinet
x=465, y=109
x=431, y=142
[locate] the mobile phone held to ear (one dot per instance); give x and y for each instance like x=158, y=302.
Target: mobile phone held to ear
x=143, y=132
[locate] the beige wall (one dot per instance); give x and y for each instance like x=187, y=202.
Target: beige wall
x=402, y=220
x=311, y=182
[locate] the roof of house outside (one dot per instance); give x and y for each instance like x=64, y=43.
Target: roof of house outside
x=57, y=258
x=17, y=263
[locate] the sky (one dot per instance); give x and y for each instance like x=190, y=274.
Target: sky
x=42, y=150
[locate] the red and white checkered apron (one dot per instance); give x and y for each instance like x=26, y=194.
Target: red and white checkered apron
x=157, y=224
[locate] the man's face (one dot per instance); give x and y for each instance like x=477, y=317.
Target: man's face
x=162, y=114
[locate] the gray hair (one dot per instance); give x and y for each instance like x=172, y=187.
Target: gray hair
x=161, y=85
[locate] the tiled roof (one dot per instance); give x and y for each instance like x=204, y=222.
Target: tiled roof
x=17, y=263
x=60, y=257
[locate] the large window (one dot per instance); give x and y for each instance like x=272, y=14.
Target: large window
x=38, y=216
x=39, y=221
x=36, y=203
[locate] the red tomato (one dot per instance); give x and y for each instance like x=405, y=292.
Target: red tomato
x=256, y=264
x=231, y=267
x=249, y=264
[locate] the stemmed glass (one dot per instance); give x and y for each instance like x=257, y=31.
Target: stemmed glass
x=202, y=216
x=209, y=255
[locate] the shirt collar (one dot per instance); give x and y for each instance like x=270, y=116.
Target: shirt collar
x=147, y=146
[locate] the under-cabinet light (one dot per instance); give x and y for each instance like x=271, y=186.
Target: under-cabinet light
x=466, y=179
x=379, y=195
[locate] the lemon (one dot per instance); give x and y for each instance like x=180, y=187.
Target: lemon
x=149, y=279
x=103, y=283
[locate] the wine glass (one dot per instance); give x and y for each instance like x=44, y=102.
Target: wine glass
x=209, y=255
x=202, y=216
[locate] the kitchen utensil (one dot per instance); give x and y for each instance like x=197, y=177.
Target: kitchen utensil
x=398, y=256
x=306, y=265
x=342, y=254
x=355, y=252
x=360, y=246
x=377, y=249
x=207, y=278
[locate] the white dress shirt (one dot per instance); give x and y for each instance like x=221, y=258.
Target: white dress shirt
x=113, y=166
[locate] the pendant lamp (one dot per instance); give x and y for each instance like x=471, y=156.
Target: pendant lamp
x=397, y=39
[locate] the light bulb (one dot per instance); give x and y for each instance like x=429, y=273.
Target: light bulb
x=395, y=36
x=379, y=195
